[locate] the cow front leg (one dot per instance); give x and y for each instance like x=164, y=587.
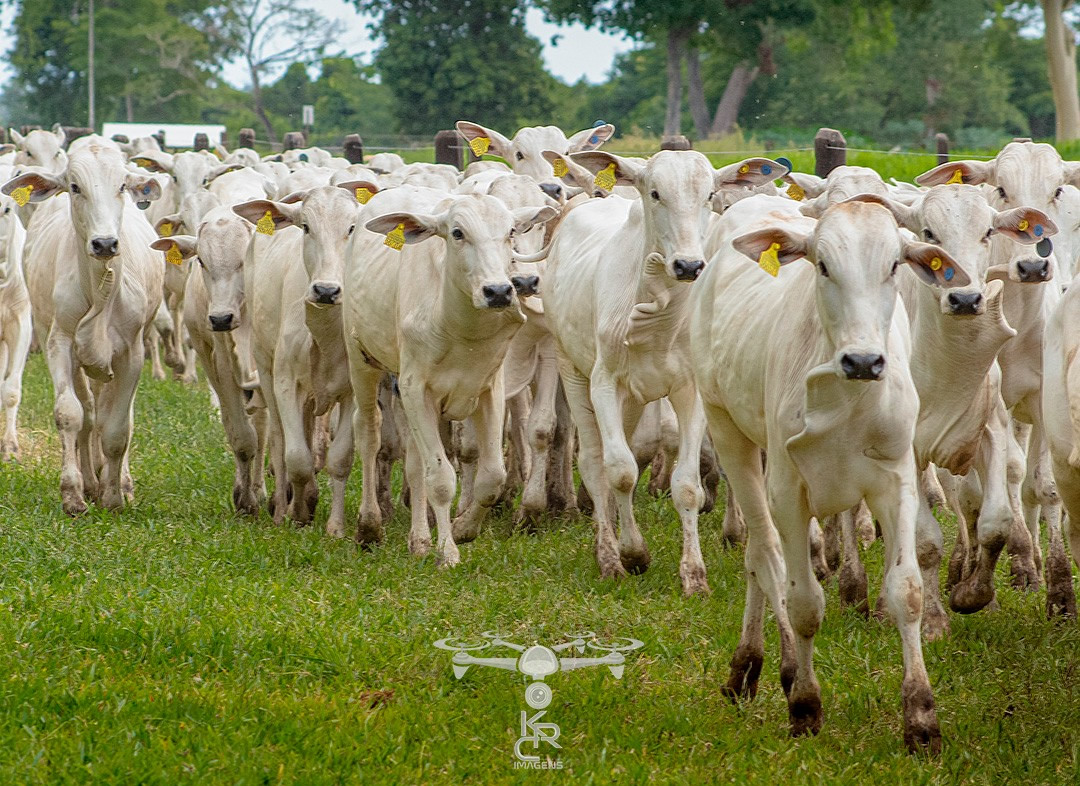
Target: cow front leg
x=686, y=492
x=487, y=422
x=367, y=431
x=115, y=421
x=69, y=414
x=541, y=432
x=339, y=459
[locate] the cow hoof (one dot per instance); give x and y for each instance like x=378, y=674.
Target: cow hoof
x=745, y=672
x=465, y=528
x=853, y=590
x=694, y=581
x=635, y=562
x=612, y=569
x=1025, y=576
x=805, y=715
x=335, y=529
x=9, y=450
x=74, y=506
x=957, y=564
x=419, y=547
x=527, y=520
x=1060, y=596
x=969, y=596
x=449, y=557
x=935, y=624
x=112, y=500
x=921, y=731
x=369, y=532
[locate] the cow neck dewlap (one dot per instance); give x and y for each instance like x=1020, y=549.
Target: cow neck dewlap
x=100, y=281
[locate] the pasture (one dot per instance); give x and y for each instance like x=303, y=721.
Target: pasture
x=176, y=642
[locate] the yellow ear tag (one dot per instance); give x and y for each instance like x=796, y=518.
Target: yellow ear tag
x=1023, y=225
x=795, y=192
x=605, y=178
x=479, y=145
x=935, y=263
x=165, y=230
x=395, y=238
x=265, y=225
x=173, y=255
x=22, y=195
x=363, y=195
x=744, y=169
x=559, y=168
x=770, y=260
x=957, y=177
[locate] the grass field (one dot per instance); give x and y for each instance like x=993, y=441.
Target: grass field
x=176, y=643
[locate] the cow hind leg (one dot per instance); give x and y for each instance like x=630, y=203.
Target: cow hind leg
x=339, y=459
x=115, y=421
x=686, y=491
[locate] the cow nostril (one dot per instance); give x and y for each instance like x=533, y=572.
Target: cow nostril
x=220, y=322
x=553, y=190
x=497, y=294
x=105, y=246
x=965, y=302
x=326, y=293
x=688, y=269
x=1033, y=269
x=526, y=285
x=858, y=366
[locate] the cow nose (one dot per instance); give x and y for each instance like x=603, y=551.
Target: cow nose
x=497, y=295
x=553, y=190
x=862, y=366
x=526, y=285
x=688, y=269
x=326, y=293
x=965, y=302
x=221, y=322
x=1032, y=270
x=104, y=246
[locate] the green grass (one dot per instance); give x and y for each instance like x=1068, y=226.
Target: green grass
x=176, y=643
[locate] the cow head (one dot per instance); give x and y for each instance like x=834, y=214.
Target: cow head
x=11, y=238
x=41, y=149
x=857, y=250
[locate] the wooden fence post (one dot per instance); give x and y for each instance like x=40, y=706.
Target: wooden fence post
x=246, y=137
x=830, y=151
x=677, y=142
x=353, y=149
x=293, y=140
x=201, y=142
x=451, y=148
x=942, y=148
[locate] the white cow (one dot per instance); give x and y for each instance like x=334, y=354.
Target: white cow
x=15, y=326
x=297, y=276
x=99, y=284
x=812, y=367
x=440, y=313
x=614, y=290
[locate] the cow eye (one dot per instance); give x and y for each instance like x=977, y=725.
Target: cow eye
x=351, y=229
x=988, y=235
x=75, y=188
x=457, y=234
x=122, y=187
x=7, y=210
x=57, y=154
x=1001, y=193
x=895, y=267
x=655, y=195
x=1059, y=192
x=199, y=260
x=307, y=229
x=928, y=236
x=822, y=269
x=520, y=156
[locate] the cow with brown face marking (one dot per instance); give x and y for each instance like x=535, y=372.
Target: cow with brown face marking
x=95, y=285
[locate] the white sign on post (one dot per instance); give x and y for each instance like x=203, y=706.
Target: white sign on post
x=308, y=114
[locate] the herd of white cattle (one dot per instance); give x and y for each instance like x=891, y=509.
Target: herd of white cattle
x=490, y=323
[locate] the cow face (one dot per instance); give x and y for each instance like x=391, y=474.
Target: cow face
x=960, y=220
x=857, y=250
x=10, y=228
x=479, y=232
x=842, y=184
x=1023, y=173
x=525, y=151
x=41, y=149
x=98, y=184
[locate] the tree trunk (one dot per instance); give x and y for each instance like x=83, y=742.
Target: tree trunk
x=129, y=105
x=256, y=99
x=696, y=90
x=675, y=43
x=727, y=111
x=1061, y=62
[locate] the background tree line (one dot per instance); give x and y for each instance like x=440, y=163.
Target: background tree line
x=891, y=72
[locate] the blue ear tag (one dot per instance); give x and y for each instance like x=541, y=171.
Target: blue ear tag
x=766, y=169
x=1038, y=230
x=594, y=139
x=146, y=189
x=1044, y=248
x=948, y=274
x=785, y=162
x=303, y=157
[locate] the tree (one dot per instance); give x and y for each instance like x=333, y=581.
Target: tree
x=269, y=34
x=1061, y=63
x=445, y=60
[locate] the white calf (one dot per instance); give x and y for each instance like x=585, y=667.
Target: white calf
x=15, y=327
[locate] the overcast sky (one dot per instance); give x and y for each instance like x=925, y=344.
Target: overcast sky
x=577, y=53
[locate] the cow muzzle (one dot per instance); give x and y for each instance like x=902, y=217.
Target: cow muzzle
x=526, y=285
x=553, y=190
x=868, y=366
x=222, y=322
x=965, y=303
x=325, y=293
x=104, y=247
x=687, y=269
x=1033, y=271
x=497, y=295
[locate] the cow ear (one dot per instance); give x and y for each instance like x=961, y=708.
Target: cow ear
x=1072, y=173
x=168, y=226
x=186, y=245
x=971, y=172
x=60, y=134
x=363, y=190
x=749, y=172
x=811, y=186
x=153, y=161
x=815, y=207
x=1024, y=224
x=761, y=244
x=268, y=216
x=475, y=134
x=33, y=187
x=590, y=138
x=294, y=197
x=933, y=265
x=218, y=171
x=413, y=227
x=5, y=149
x=609, y=170
x=569, y=171
x=16, y=137
x=143, y=189
x=905, y=215
x=525, y=218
